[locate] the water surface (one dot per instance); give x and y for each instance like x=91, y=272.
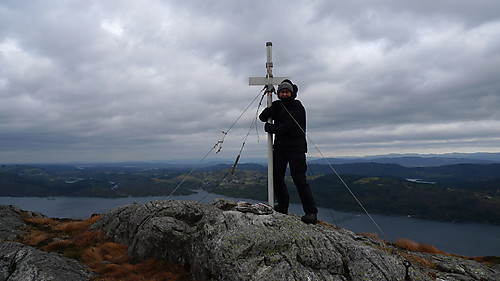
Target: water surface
x=458, y=238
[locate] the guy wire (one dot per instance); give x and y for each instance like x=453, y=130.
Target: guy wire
x=252, y=126
x=217, y=145
x=237, y=119
x=337, y=174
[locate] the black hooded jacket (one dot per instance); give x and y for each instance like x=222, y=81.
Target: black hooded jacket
x=288, y=134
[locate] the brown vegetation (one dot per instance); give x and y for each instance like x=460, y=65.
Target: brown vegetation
x=420, y=261
x=47, y=222
x=417, y=247
x=372, y=235
x=35, y=237
x=489, y=260
x=107, y=259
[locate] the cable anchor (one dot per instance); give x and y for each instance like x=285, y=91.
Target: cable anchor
x=407, y=265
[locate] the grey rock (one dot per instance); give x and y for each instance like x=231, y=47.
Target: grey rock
x=11, y=221
x=19, y=262
x=225, y=244
x=24, y=263
x=454, y=268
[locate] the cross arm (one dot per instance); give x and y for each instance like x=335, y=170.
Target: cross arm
x=265, y=80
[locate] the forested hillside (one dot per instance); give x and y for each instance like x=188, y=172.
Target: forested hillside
x=465, y=192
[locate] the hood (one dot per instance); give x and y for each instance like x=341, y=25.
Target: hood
x=287, y=84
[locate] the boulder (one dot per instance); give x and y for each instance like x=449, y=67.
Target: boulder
x=217, y=242
x=24, y=263
x=19, y=262
x=11, y=221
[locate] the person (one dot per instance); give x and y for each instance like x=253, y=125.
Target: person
x=289, y=148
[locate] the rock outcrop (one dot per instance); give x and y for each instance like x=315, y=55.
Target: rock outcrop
x=19, y=262
x=217, y=242
x=24, y=263
x=11, y=221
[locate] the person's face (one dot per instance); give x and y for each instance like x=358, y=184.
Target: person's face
x=285, y=93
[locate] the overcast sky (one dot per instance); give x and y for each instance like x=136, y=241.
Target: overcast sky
x=157, y=80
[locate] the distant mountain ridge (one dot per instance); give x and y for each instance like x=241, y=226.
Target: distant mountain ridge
x=442, y=174
x=406, y=160
x=418, y=160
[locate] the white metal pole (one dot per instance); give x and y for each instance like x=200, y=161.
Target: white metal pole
x=269, y=76
x=268, y=81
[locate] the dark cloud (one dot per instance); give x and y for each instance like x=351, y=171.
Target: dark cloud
x=127, y=80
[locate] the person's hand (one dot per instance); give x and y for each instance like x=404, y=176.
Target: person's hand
x=268, y=127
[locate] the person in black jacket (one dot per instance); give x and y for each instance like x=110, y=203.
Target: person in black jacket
x=289, y=148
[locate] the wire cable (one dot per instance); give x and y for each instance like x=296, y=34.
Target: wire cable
x=224, y=133
x=335, y=171
x=253, y=125
x=217, y=146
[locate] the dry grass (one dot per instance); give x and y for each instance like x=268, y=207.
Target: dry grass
x=489, y=260
x=107, y=259
x=41, y=221
x=105, y=253
x=426, y=248
x=147, y=270
x=372, y=235
x=35, y=237
x=72, y=226
x=58, y=245
x=419, y=261
x=328, y=225
x=417, y=247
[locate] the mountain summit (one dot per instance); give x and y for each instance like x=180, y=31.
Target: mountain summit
x=219, y=241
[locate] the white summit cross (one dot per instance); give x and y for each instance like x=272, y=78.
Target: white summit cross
x=269, y=81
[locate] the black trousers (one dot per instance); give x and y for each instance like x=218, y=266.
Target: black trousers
x=298, y=168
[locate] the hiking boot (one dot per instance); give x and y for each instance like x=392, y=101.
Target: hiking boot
x=310, y=218
x=281, y=209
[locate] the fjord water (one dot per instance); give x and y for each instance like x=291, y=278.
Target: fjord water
x=458, y=238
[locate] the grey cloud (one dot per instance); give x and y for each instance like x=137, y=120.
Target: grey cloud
x=101, y=79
